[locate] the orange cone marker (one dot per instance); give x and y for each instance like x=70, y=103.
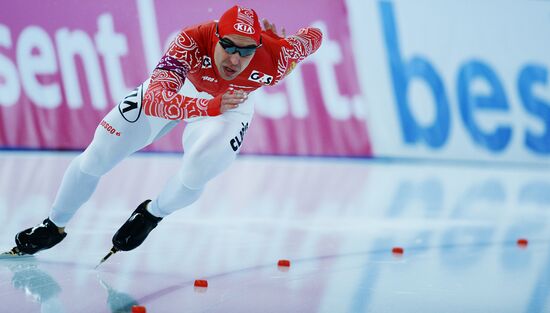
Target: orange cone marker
x=285, y=263
x=138, y=309
x=522, y=243
x=398, y=251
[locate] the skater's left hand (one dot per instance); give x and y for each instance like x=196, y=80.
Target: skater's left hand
x=271, y=27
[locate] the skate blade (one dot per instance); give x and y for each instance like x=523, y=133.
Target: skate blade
x=113, y=251
x=14, y=254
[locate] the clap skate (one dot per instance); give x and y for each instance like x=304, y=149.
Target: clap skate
x=35, y=239
x=134, y=231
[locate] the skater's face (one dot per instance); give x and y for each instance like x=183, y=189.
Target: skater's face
x=232, y=55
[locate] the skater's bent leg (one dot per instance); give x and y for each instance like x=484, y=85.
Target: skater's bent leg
x=186, y=187
x=116, y=137
x=207, y=153
x=76, y=188
x=83, y=175
x=109, y=146
x=174, y=196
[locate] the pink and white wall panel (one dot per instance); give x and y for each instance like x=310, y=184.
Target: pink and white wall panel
x=402, y=79
x=64, y=65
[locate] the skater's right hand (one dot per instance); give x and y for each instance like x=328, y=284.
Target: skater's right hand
x=231, y=99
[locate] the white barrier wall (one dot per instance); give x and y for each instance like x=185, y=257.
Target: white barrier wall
x=428, y=79
x=461, y=80
x=61, y=72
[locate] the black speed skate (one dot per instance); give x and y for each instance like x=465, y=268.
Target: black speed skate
x=134, y=231
x=35, y=239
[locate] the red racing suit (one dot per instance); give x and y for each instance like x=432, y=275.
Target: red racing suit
x=191, y=56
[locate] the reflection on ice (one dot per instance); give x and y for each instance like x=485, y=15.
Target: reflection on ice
x=37, y=285
x=119, y=302
x=336, y=221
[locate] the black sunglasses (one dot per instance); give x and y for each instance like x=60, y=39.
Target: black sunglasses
x=231, y=48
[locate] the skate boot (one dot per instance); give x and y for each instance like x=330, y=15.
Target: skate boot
x=34, y=239
x=134, y=231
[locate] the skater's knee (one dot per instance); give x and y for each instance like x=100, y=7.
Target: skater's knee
x=198, y=169
x=94, y=163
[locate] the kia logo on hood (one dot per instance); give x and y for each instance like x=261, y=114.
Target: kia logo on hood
x=243, y=28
